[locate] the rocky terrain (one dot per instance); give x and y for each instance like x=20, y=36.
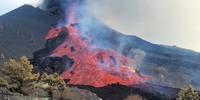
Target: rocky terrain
x=22, y=32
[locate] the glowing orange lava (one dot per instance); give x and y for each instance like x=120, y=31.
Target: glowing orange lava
x=92, y=66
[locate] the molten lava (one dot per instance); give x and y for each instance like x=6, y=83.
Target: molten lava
x=92, y=66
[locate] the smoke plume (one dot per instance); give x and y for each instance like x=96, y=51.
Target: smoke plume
x=58, y=7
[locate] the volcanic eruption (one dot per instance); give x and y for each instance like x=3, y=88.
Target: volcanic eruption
x=92, y=65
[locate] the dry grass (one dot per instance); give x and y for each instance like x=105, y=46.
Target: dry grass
x=134, y=97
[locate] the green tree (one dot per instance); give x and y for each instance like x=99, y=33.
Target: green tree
x=18, y=75
x=3, y=83
x=52, y=82
x=188, y=93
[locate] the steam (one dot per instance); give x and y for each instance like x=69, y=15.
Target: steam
x=86, y=21
x=137, y=55
x=98, y=35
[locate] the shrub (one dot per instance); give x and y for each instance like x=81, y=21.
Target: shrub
x=17, y=75
x=51, y=83
x=134, y=97
x=71, y=93
x=188, y=93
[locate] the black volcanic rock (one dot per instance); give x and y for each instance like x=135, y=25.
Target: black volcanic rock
x=22, y=32
x=52, y=64
x=120, y=92
x=44, y=63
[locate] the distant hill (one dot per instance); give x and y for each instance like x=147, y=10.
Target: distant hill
x=22, y=32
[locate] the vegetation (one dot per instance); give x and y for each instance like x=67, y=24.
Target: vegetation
x=134, y=97
x=53, y=82
x=17, y=77
x=73, y=93
x=188, y=93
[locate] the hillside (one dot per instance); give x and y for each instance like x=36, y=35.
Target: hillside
x=22, y=32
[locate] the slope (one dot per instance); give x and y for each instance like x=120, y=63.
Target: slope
x=22, y=32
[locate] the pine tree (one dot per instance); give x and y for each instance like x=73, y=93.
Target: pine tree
x=53, y=82
x=18, y=75
x=188, y=93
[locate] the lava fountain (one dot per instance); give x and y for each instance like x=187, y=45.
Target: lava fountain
x=92, y=66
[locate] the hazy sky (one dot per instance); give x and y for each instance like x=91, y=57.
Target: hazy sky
x=171, y=22
x=7, y=5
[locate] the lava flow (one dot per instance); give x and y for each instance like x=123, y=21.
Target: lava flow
x=92, y=66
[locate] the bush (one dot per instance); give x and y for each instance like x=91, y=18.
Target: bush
x=188, y=93
x=134, y=97
x=17, y=75
x=71, y=93
x=51, y=83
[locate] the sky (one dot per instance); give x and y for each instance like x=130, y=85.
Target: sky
x=8, y=5
x=168, y=22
